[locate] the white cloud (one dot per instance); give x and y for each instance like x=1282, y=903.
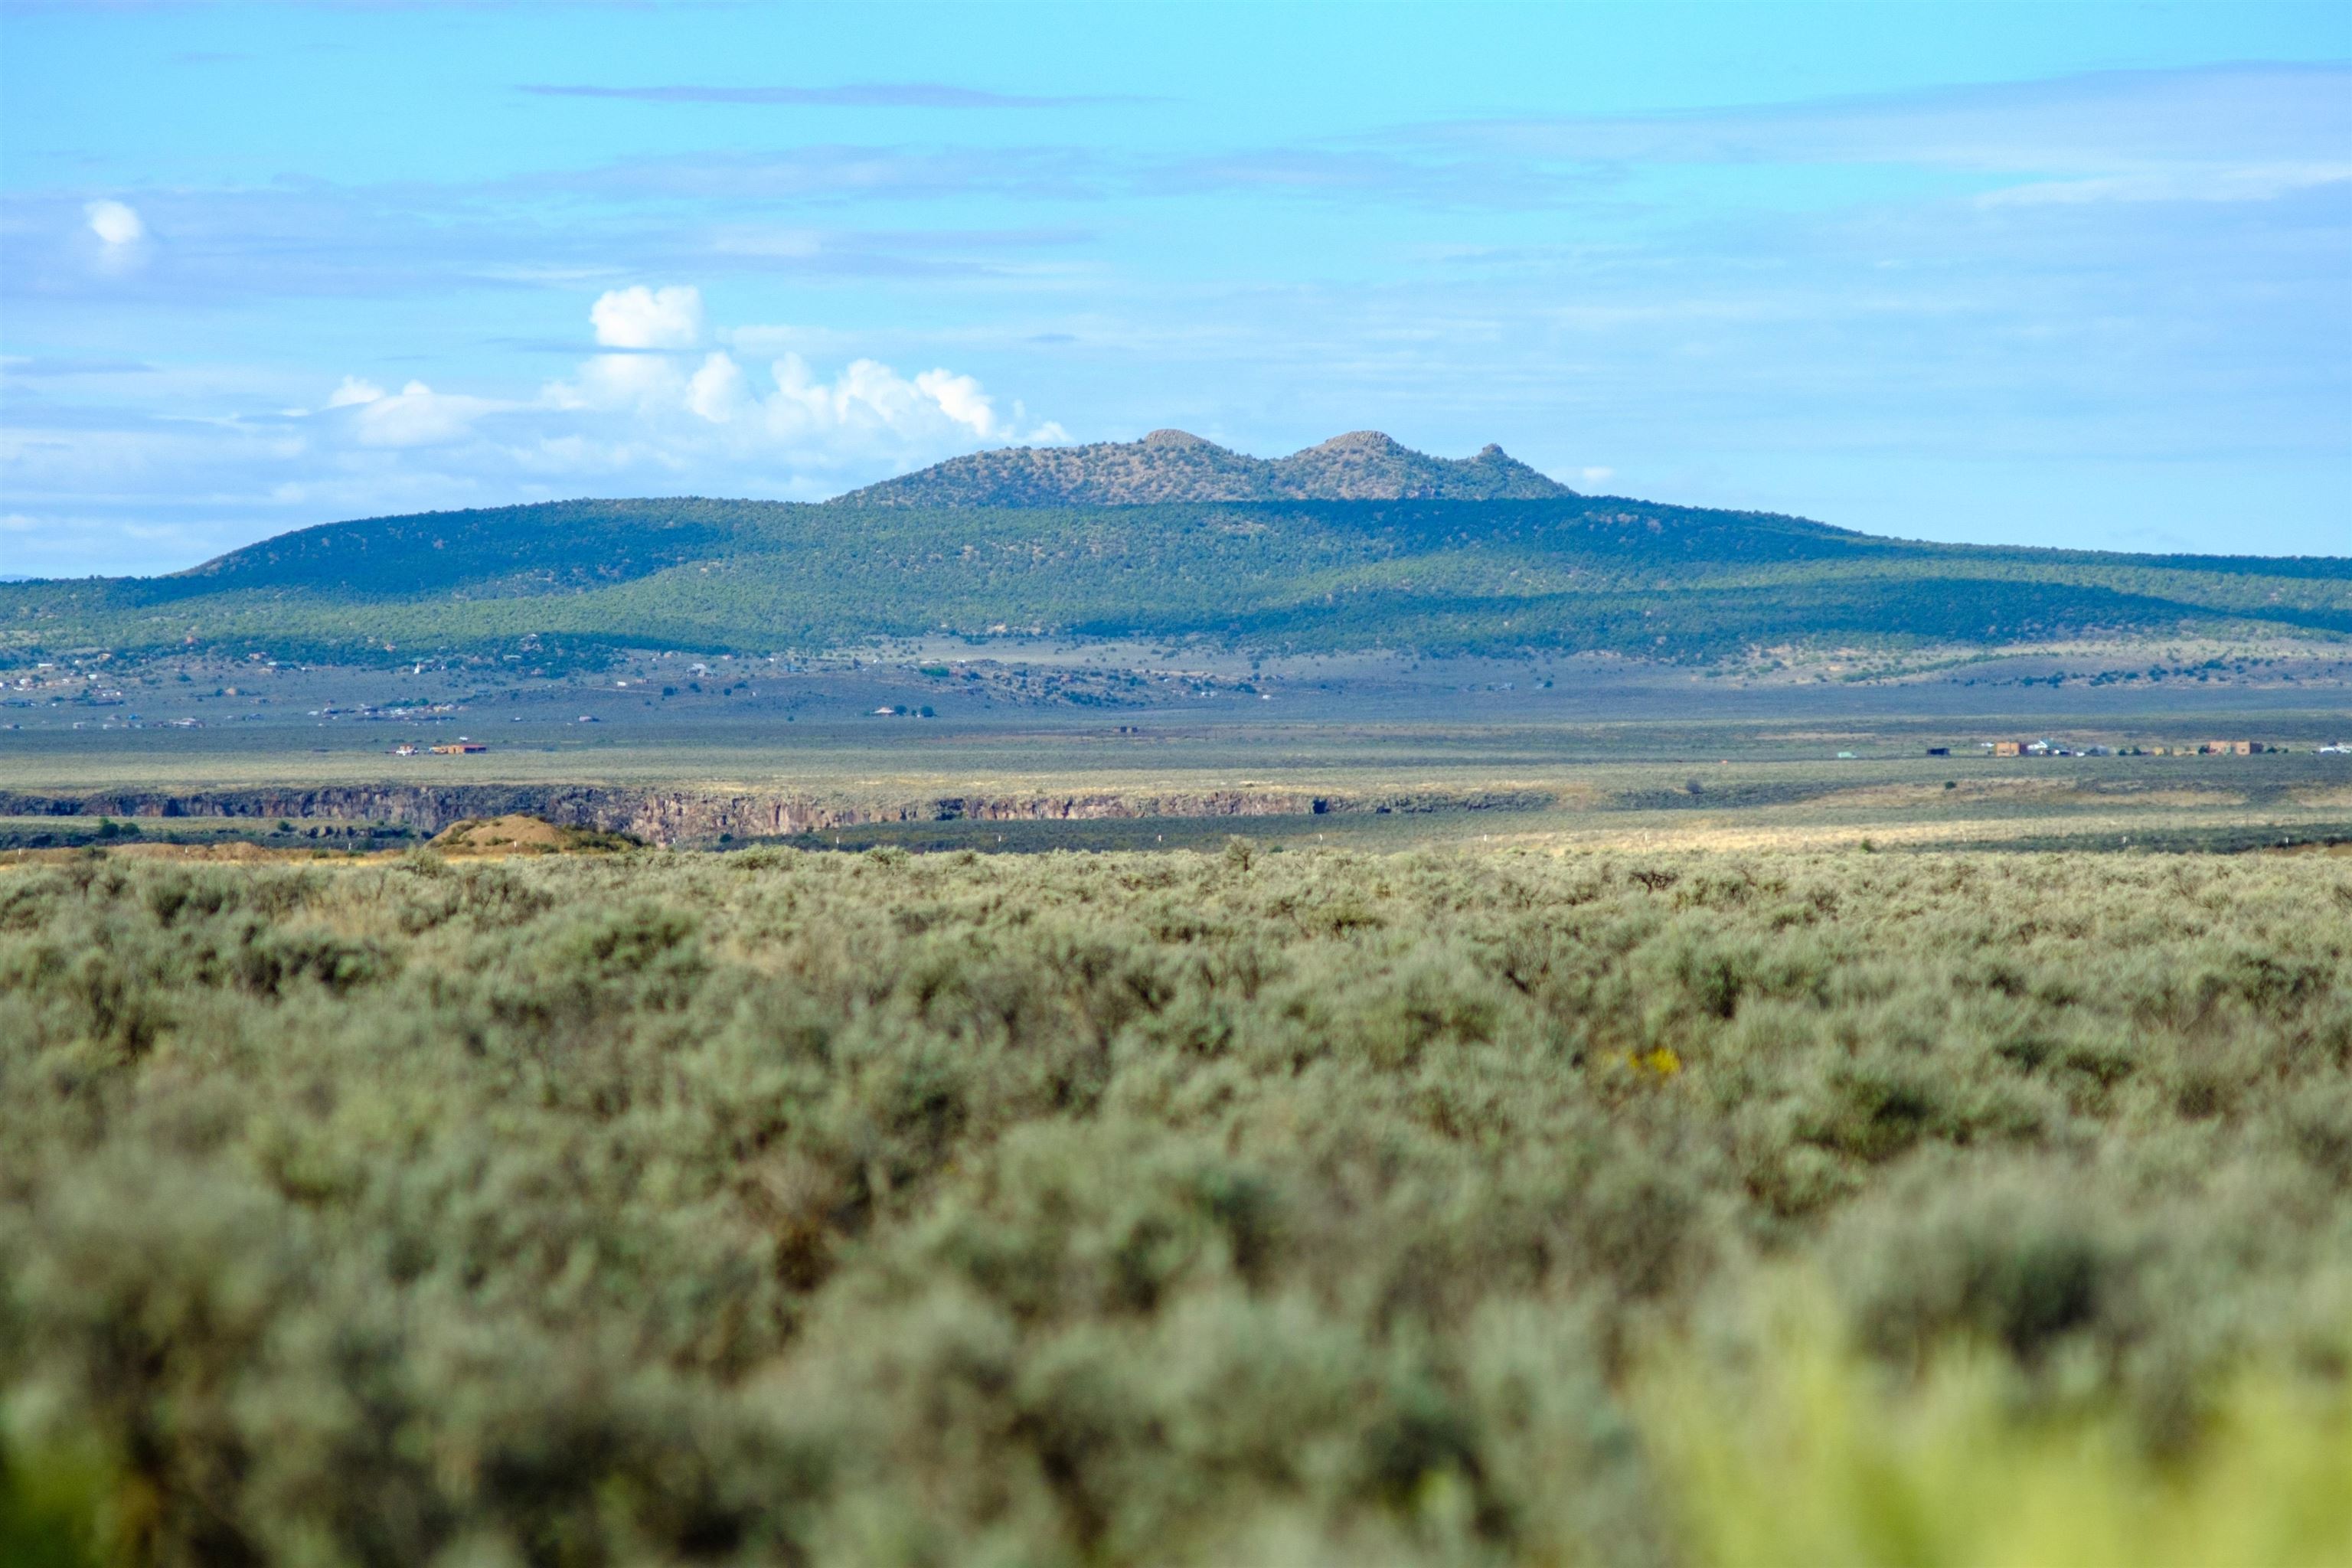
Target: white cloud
x=870, y=408
x=866, y=412
x=611, y=382
x=643, y=317
x=648, y=408
x=710, y=423
x=416, y=415
x=962, y=400
x=1596, y=475
x=122, y=238
x=115, y=223
x=718, y=391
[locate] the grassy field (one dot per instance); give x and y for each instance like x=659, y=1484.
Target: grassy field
x=1511, y=1201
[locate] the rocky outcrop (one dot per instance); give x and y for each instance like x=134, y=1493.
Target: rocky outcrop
x=671, y=817
x=1176, y=466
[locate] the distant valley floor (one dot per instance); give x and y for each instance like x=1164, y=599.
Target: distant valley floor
x=669, y=697
x=1075, y=746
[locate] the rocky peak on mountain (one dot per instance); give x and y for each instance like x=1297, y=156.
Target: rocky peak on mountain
x=1177, y=466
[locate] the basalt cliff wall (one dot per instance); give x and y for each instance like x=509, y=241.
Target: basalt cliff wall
x=679, y=816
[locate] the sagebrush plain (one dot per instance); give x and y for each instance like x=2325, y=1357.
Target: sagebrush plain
x=1279, y=1204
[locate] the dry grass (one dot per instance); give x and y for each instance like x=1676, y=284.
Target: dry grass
x=2044, y=792
x=230, y=852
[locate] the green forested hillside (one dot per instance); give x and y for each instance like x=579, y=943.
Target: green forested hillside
x=506, y=551
x=1572, y=574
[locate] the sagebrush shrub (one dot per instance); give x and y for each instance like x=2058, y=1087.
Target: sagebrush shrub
x=806, y=1208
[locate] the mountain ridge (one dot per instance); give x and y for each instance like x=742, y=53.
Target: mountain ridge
x=1176, y=466
x=1594, y=573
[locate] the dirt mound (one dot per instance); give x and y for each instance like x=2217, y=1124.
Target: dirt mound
x=516, y=834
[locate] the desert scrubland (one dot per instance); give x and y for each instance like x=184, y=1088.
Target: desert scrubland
x=1460, y=1202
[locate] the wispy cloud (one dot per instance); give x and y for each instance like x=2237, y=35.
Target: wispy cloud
x=1422, y=178
x=2218, y=134
x=46, y=367
x=2118, y=124
x=855, y=95
x=840, y=172
x=2202, y=181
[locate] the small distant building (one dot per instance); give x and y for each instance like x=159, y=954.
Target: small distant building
x=459, y=748
x=405, y=749
x=2008, y=749
x=1939, y=751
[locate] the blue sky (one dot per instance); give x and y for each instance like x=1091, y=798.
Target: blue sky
x=2041, y=274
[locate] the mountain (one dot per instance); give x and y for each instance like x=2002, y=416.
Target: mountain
x=1174, y=466
x=551, y=583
